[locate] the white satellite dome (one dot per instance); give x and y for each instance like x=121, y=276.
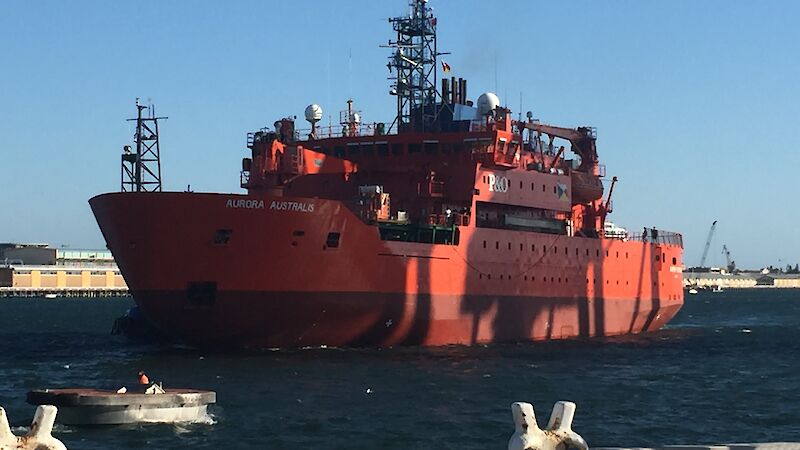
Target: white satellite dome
x=487, y=103
x=355, y=117
x=313, y=113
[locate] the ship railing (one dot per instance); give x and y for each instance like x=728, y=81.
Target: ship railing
x=375, y=129
x=654, y=236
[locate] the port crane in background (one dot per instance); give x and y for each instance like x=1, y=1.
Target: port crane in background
x=708, y=243
x=731, y=265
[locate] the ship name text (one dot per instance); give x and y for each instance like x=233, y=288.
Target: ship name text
x=292, y=206
x=242, y=203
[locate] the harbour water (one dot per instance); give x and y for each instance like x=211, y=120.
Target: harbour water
x=725, y=370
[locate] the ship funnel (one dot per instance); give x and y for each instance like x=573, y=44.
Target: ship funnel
x=487, y=103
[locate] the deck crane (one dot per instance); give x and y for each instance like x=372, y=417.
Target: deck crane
x=708, y=243
x=731, y=264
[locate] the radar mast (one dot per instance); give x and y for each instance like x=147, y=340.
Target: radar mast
x=413, y=63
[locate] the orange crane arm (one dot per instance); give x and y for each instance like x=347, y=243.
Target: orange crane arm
x=582, y=140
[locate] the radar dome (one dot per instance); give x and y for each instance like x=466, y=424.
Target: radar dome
x=487, y=103
x=313, y=113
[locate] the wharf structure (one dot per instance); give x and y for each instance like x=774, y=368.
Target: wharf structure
x=37, y=270
x=738, y=280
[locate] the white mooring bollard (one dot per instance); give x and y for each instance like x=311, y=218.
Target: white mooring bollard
x=558, y=435
x=38, y=438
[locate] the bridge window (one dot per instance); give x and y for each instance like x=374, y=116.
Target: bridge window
x=338, y=151
x=397, y=149
x=414, y=148
x=383, y=149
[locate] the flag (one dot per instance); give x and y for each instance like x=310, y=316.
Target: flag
x=445, y=67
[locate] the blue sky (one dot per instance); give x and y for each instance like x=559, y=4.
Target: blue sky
x=697, y=104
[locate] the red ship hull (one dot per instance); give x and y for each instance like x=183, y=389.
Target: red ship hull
x=275, y=280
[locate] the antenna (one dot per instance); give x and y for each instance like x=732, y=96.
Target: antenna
x=141, y=171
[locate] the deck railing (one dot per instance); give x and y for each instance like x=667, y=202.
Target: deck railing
x=654, y=236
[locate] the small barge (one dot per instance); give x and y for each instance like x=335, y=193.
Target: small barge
x=101, y=407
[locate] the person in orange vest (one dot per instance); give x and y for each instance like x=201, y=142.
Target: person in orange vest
x=143, y=378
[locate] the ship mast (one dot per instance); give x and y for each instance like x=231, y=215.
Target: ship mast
x=414, y=64
x=141, y=171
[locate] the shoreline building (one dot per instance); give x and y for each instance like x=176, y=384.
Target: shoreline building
x=37, y=269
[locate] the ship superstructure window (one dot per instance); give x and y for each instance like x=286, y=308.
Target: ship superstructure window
x=397, y=149
x=414, y=148
x=431, y=147
x=383, y=149
x=333, y=240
